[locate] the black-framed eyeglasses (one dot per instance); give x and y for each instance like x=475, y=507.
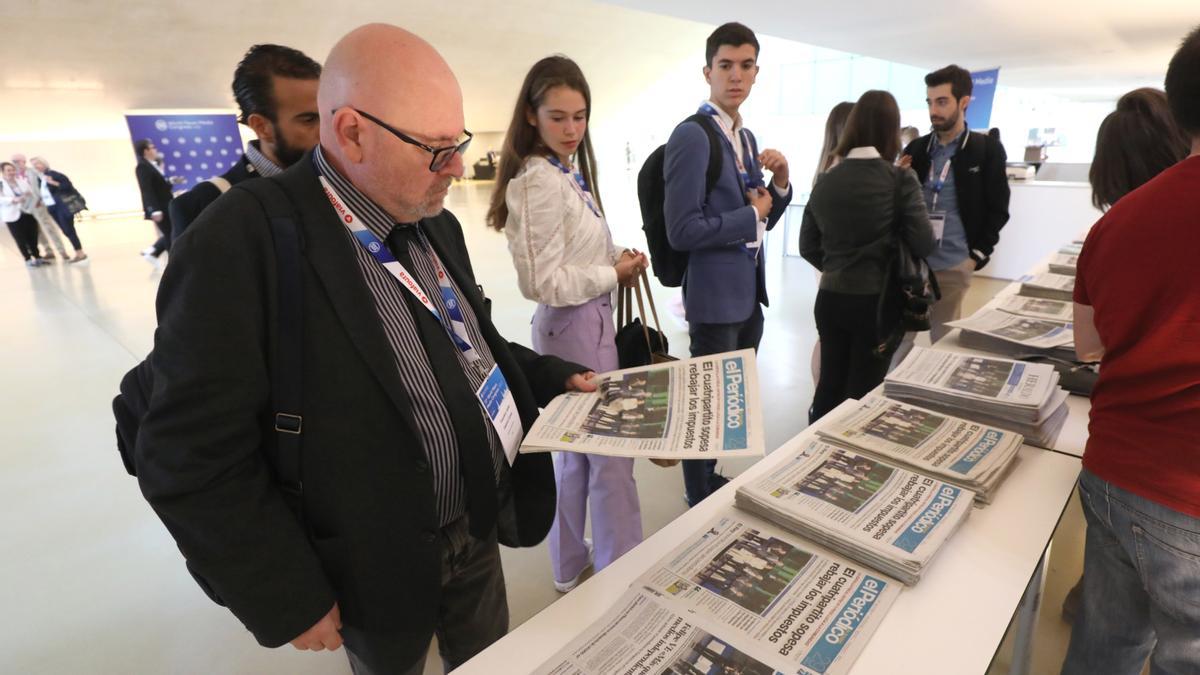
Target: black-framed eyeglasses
x=441, y=156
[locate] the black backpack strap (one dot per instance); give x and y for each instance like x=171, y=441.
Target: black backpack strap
x=287, y=392
x=716, y=151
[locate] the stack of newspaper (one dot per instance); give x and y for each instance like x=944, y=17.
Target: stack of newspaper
x=1013, y=395
x=971, y=455
x=1037, y=308
x=874, y=512
x=738, y=596
x=1064, y=263
x=1049, y=285
x=701, y=408
x=1074, y=248
x=1008, y=334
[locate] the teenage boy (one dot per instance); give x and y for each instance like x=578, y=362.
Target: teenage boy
x=722, y=229
x=966, y=190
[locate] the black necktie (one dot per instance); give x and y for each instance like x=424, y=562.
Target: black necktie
x=474, y=451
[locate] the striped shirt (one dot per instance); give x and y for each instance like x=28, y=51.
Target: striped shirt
x=259, y=162
x=435, y=429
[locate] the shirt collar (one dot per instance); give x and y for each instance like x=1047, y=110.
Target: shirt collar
x=864, y=152
x=372, y=216
x=259, y=162
x=735, y=124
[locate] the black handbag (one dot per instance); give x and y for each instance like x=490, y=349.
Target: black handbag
x=907, y=300
x=74, y=202
x=637, y=343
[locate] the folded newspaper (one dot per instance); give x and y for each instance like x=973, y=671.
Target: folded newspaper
x=883, y=516
x=739, y=596
x=1064, y=263
x=971, y=455
x=701, y=408
x=1013, y=395
x=1048, y=285
x=1038, y=308
x=1074, y=248
x=1008, y=334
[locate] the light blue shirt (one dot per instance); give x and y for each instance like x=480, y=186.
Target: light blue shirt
x=952, y=249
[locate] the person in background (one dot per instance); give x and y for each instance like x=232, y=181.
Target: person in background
x=834, y=124
x=1135, y=143
x=723, y=230
x=15, y=200
x=1137, y=310
x=156, y=196
x=62, y=190
x=39, y=208
x=547, y=202
x=908, y=135
x=966, y=191
x=276, y=92
x=849, y=234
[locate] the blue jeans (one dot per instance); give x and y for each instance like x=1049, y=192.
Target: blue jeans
x=1141, y=586
x=699, y=475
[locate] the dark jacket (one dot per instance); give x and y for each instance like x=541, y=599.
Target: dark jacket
x=187, y=207
x=64, y=187
x=980, y=184
x=369, y=538
x=850, y=224
x=156, y=191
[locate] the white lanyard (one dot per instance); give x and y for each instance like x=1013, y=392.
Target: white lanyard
x=456, y=327
x=733, y=141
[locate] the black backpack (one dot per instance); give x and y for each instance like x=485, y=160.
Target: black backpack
x=132, y=403
x=669, y=264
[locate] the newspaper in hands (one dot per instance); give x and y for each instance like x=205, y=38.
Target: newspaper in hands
x=871, y=511
x=971, y=455
x=701, y=408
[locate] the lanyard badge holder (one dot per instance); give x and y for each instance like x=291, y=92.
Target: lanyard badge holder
x=753, y=248
x=494, y=394
x=580, y=185
x=937, y=219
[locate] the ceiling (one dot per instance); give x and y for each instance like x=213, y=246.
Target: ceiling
x=1082, y=49
x=73, y=66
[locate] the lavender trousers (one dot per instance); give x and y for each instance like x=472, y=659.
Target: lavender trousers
x=585, y=334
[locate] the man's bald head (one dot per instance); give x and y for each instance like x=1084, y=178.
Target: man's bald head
x=399, y=78
x=19, y=160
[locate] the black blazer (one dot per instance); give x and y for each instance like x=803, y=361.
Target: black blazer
x=156, y=191
x=981, y=185
x=369, y=533
x=186, y=207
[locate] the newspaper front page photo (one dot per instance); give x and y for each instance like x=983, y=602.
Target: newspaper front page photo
x=701, y=408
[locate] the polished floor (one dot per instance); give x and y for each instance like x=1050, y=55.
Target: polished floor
x=89, y=580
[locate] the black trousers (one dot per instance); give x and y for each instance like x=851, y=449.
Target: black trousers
x=163, y=243
x=24, y=231
x=473, y=612
x=852, y=362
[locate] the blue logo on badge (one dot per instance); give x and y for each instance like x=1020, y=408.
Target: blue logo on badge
x=373, y=247
x=451, y=304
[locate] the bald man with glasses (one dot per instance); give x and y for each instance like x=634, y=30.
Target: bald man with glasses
x=381, y=529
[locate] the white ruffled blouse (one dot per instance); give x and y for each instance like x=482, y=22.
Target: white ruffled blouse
x=563, y=252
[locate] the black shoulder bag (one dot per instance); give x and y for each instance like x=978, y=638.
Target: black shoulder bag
x=912, y=289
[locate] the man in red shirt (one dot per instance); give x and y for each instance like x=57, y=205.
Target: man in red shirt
x=1137, y=309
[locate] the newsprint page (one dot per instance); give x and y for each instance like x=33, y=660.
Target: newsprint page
x=701, y=408
x=740, y=596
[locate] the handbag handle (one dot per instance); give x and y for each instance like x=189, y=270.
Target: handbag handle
x=644, y=280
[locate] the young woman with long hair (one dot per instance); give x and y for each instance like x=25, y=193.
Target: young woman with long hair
x=849, y=232
x=547, y=203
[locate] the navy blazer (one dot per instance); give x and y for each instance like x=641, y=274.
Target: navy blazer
x=723, y=281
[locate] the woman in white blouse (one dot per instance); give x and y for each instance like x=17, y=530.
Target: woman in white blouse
x=547, y=204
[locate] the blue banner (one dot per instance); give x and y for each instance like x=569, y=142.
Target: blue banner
x=194, y=147
x=983, y=94
x=734, y=396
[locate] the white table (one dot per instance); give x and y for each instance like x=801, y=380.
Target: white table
x=964, y=603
